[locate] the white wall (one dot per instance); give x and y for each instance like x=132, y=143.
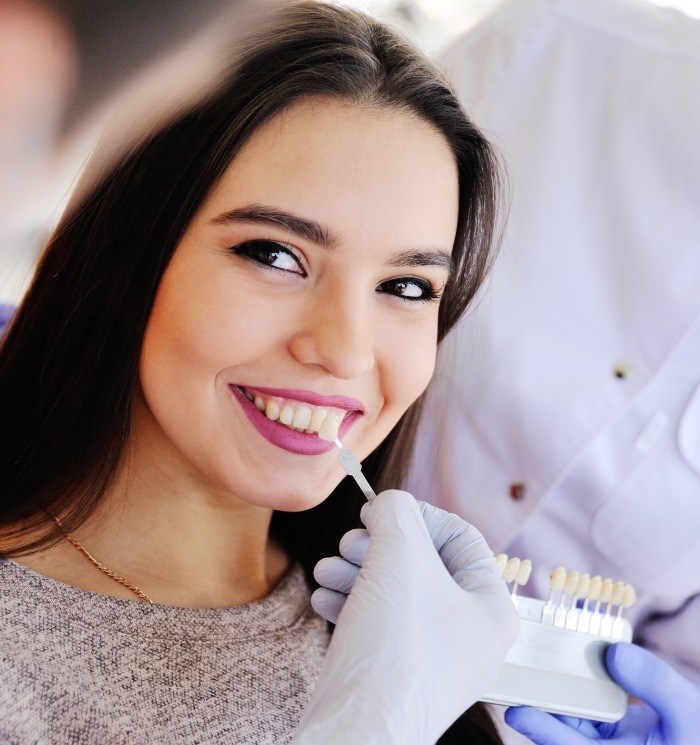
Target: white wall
x=431, y=23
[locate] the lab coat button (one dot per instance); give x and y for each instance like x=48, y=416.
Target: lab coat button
x=517, y=490
x=622, y=370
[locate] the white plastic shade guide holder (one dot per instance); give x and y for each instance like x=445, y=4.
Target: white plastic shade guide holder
x=559, y=667
x=353, y=468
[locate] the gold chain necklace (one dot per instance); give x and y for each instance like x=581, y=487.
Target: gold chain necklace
x=113, y=575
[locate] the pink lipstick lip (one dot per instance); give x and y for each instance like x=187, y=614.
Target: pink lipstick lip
x=283, y=437
x=310, y=397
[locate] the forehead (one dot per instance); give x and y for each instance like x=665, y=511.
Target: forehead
x=362, y=170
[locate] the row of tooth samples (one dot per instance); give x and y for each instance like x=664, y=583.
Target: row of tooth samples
x=600, y=598
x=514, y=570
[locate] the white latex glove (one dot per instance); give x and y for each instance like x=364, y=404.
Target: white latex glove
x=421, y=635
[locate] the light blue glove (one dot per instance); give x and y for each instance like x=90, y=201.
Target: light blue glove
x=422, y=627
x=670, y=716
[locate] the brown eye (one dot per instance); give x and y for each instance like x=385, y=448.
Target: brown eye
x=272, y=254
x=412, y=289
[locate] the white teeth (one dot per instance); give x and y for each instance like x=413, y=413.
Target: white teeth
x=272, y=410
x=302, y=417
x=287, y=415
x=329, y=428
x=316, y=420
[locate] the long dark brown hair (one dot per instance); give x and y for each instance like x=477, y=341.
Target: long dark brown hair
x=69, y=362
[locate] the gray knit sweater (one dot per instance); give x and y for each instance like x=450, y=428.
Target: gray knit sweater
x=79, y=667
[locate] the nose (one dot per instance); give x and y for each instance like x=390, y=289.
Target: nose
x=336, y=334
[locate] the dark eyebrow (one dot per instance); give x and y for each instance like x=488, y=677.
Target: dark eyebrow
x=257, y=213
x=319, y=234
x=430, y=257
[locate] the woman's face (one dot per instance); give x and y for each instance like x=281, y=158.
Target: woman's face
x=309, y=282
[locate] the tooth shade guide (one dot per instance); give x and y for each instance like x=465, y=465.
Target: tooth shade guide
x=557, y=579
x=511, y=569
x=353, y=468
x=521, y=577
x=604, y=597
x=317, y=417
x=329, y=427
x=606, y=624
x=581, y=589
x=524, y=572
x=556, y=584
x=570, y=583
x=501, y=560
x=629, y=597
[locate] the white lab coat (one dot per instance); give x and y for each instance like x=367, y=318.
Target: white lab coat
x=595, y=106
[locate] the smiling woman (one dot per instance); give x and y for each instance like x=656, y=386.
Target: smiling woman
x=276, y=264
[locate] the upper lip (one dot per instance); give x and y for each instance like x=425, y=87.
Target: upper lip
x=310, y=397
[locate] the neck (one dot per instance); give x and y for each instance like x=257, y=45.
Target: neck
x=184, y=549
x=175, y=538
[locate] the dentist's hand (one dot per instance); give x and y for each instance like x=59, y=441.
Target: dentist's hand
x=421, y=634
x=669, y=716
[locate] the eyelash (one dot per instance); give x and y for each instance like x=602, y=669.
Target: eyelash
x=256, y=250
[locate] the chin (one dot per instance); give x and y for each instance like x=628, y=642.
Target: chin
x=302, y=499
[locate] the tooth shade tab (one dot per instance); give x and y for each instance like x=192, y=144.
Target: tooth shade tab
x=617, y=592
x=629, y=596
x=571, y=583
x=501, y=560
x=594, y=588
x=524, y=572
x=511, y=569
x=329, y=427
x=317, y=417
x=557, y=579
x=606, y=590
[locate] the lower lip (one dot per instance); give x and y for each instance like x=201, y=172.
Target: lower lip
x=288, y=439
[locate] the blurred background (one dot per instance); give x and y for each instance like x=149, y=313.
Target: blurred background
x=52, y=52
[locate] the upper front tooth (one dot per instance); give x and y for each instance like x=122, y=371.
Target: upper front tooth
x=329, y=428
x=287, y=415
x=302, y=417
x=272, y=410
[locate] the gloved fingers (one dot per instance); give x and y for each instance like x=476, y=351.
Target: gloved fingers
x=328, y=603
x=395, y=514
x=460, y=545
x=336, y=574
x=545, y=729
x=646, y=676
x=354, y=545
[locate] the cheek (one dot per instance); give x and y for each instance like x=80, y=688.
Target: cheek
x=408, y=366
x=205, y=329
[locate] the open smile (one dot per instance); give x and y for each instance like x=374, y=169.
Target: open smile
x=301, y=422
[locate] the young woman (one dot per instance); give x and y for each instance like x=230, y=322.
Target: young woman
x=283, y=258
